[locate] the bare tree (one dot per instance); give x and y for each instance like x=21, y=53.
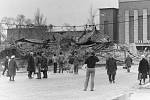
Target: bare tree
x=28, y=21
x=8, y=22
x=20, y=20
x=39, y=18
x=92, y=15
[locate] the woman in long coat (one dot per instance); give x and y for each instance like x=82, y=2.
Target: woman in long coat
x=111, y=68
x=31, y=65
x=44, y=66
x=143, y=69
x=12, y=68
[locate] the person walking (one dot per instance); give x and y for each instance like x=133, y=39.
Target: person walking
x=31, y=65
x=55, y=59
x=12, y=67
x=111, y=68
x=90, y=71
x=128, y=62
x=44, y=66
x=143, y=69
x=61, y=62
x=5, y=65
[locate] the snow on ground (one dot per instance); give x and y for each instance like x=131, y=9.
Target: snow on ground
x=68, y=86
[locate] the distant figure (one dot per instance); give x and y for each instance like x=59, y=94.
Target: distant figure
x=44, y=66
x=76, y=63
x=5, y=65
x=143, y=69
x=70, y=61
x=128, y=62
x=61, y=62
x=111, y=68
x=12, y=66
x=38, y=65
x=54, y=60
x=90, y=61
x=31, y=65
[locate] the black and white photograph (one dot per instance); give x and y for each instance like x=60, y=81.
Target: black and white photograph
x=74, y=49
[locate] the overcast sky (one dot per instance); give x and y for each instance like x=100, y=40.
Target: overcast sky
x=58, y=12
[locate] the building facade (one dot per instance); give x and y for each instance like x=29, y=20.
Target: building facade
x=108, y=23
x=134, y=22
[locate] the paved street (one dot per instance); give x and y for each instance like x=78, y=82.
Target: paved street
x=68, y=86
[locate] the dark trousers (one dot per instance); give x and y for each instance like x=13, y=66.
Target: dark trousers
x=12, y=78
x=111, y=77
x=76, y=69
x=4, y=70
x=55, y=67
x=61, y=69
x=30, y=74
x=44, y=74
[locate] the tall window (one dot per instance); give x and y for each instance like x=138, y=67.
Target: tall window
x=131, y=29
x=140, y=28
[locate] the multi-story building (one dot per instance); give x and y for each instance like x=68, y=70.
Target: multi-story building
x=108, y=23
x=134, y=22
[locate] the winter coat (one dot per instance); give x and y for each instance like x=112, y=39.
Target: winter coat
x=38, y=61
x=71, y=59
x=6, y=63
x=12, y=66
x=61, y=59
x=128, y=61
x=143, y=66
x=54, y=59
x=76, y=61
x=31, y=64
x=91, y=61
x=44, y=66
x=111, y=66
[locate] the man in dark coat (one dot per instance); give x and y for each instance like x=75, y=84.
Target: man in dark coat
x=143, y=69
x=90, y=61
x=31, y=65
x=111, y=67
x=6, y=65
x=44, y=67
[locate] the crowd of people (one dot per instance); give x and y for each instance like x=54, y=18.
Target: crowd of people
x=38, y=63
